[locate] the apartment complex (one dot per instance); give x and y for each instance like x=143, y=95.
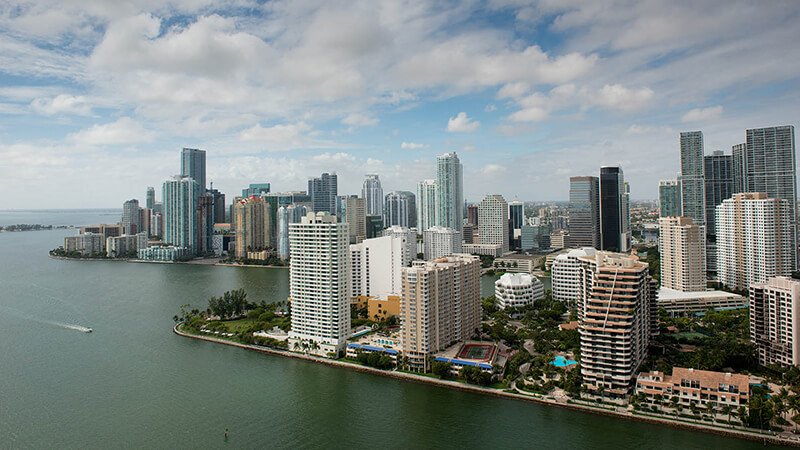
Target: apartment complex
x=754, y=239
x=692, y=386
x=318, y=283
x=616, y=315
x=180, y=211
x=356, y=218
x=426, y=205
x=440, y=305
x=566, y=277
x=449, y=191
x=375, y=266
x=252, y=225
x=514, y=290
x=775, y=321
x=372, y=193
x=669, y=198
x=693, y=197
x=683, y=260
x=440, y=241
x=493, y=221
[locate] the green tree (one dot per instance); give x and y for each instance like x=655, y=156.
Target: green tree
x=441, y=369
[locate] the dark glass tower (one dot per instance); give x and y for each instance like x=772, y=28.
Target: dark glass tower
x=323, y=191
x=193, y=165
x=584, y=212
x=614, y=234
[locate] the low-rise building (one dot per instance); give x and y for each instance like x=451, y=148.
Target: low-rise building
x=162, y=253
x=494, y=250
x=700, y=387
x=121, y=246
x=380, y=309
x=87, y=243
x=517, y=290
x=516, y=263
x=683, y=304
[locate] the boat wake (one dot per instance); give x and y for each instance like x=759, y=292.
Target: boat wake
x=74, y=327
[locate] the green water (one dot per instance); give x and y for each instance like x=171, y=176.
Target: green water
x=133, y=383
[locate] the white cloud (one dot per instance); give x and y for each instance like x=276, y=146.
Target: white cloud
x=360, y=120
x=490, y=108
x=62, y=104
x=513, y=90
x=279, y=137
x=493, y=169
x=124, y=131
x=702, y=114
x=462, y=124
x=413, y=145
x=634, y=130
x=616, y=96
x=533, y=114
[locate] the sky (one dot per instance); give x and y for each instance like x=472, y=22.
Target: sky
x=97, y=98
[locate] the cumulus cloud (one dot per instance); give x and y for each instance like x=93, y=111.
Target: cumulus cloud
x=615, y=96
x=412, y=145
x=124, y=131
x=360, y=120
x=462, y=124
x=702, y=114
x=634, y=130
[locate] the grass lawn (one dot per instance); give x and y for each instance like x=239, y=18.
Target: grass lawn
x=689, y=335
x=239, y=325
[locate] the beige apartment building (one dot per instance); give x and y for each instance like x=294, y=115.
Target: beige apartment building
x=682, y=245
x=774, y=321
x=700, y=387
x=252, y=225
x=440, y=305
x=616, y=314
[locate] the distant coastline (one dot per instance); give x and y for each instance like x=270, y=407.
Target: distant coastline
x=775, y=440
x=194, y=262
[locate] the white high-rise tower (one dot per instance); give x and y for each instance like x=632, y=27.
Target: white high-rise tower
x=449, y=192
x=372, y=192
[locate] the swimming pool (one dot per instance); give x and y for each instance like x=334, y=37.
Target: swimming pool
x=560, y=361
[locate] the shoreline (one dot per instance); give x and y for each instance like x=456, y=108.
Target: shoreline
x=741, y=434
x=258, y=266
x=197, y=262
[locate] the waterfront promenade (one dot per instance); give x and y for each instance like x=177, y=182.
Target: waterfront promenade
x=606, y=410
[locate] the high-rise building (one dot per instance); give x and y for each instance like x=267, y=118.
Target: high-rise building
x=426, y=205
x=472, y=214
x=130, y=217
x=218, y=200
x=323, y=191
x=754, y=239
x=408, y=237
x=775, y=322
x=376, y=265
x=681, y=244
x=770, y=167
x=318, y=285
x=372, y=192
x=286, y=215
x=439, y=241
x=493, y=221
x=615, y=316
x=535, y=237
x=433, y=313
x=400, y=209
x=255, y=189
x=584, y=212
x=150, y=201
x=449, y=191
x=738, y=168
x=669, y=198
x=566, y=277
x=719, y=181
x=693, y=197
x=193, y=165
x=180, y=212
x=516, y=214
x=615, y=219
x=374, y=226
x=205, y=224
x=252, y=225
x=356, y=218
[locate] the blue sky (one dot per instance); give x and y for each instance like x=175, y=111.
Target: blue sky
x=97, y=98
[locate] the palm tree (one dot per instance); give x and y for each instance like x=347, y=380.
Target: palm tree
x=711, y=410
x=659, y=401
x=297, y=345
x=314, y=346
x=741, y=413
x=794, y=406
x=727, y=410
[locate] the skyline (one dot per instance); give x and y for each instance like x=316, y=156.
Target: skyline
x=98, y=100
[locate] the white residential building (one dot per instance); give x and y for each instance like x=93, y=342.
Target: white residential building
x=318, y=284
x=754, y=239
x=440, y=241
x=86, y=243
x=775, y=321
x=409, y=239
x=449, y=191
x=375, y=266
x=514, y=290
x=566, y=275
x=372, y=193
x=493, y=221
x=426, y=205
x=682, y=247
x=120, y=246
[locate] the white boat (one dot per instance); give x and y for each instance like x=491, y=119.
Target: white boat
x=87, y=330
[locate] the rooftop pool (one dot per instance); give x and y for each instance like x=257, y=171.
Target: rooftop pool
x=560, y=361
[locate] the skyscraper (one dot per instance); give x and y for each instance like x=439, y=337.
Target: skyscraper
x=584, y=212
x=150, y=201
x=449, y=191
x=318, y=284
x=193, y=165
x=180, y=208
x=323, y=191
x=615, y=231
x=681, y=245
x=472, y=214
x=376, y=265
x=255, y=189
x=754, y=237
x=219, y=205
x=440, y=241
x=426, y=205
x=774, y=324
x=718, y=173
x=669, y=198
x=516, y=220
x=205, y=224
x=130, y=217
x=769, y=167
x=692, y=177
x=433, y=313
x=286, y=215
x=738, y=168
x=252, y=225
x=356, y=218
x=493, y=221
x=399, y=209
x=372, y=192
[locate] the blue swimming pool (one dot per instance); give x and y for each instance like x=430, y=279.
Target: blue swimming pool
x=560, y=361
